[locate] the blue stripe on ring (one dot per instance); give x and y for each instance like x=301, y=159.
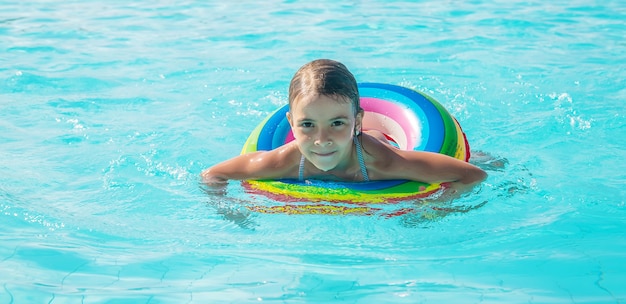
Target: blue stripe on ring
x=266, y=140
x=358, y=186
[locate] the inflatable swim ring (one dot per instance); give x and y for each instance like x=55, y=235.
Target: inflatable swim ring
x=409, y=119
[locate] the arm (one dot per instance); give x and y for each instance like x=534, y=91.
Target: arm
x=456, y=175
x=239, y=167
x=256, y=165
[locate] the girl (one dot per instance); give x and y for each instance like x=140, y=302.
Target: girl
x=325, y=117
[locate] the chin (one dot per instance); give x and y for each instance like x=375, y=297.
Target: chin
x=325, y=167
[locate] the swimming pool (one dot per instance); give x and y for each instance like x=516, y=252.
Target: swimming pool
x=111, y=109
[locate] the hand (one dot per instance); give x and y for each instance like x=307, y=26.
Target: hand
x=214, y=188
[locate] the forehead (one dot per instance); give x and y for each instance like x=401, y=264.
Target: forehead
x=323, y=104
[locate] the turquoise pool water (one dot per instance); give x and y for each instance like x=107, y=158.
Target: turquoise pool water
x=111, y=109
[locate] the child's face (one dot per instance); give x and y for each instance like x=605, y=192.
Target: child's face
x=324, y=128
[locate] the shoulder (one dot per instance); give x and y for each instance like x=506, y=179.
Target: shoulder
x=285, y=156
x=385, y=161
x=380, y=156
x=281, y=162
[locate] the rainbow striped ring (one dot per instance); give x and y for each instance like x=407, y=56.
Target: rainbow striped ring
x=410, y=119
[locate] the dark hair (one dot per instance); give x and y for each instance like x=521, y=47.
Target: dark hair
x=324, y=77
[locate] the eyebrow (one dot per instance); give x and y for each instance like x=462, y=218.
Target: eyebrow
x=334, y=118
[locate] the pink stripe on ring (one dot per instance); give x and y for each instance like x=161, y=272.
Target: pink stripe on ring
x=401, y=115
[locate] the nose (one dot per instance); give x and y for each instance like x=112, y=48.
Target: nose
x=323, y=139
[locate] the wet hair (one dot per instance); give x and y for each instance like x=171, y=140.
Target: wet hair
x=325, y=77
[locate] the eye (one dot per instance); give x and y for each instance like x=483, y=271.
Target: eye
x=306, y=124
x=338, y=123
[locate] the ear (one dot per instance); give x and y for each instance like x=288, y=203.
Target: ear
x=358, y=122
x=289, y=119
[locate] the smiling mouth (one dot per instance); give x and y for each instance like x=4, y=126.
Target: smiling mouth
x=324, y=154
